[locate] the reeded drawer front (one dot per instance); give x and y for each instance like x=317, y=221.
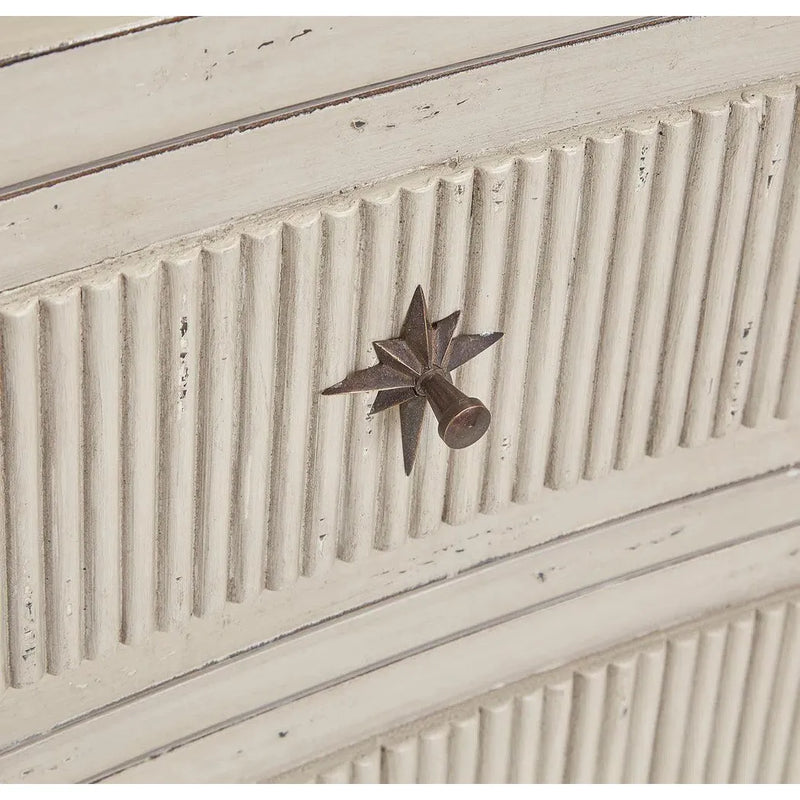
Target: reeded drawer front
x=165, y=448
x=713, y=703
x=188, y=524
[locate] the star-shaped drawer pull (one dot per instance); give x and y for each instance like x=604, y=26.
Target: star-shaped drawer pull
x=414, y=370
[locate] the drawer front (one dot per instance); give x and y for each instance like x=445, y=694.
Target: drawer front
x=181, y=502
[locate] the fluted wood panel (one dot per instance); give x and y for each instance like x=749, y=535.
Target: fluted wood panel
x=166, y=449
x=715, y=704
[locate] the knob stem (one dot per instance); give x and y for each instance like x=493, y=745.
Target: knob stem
x=462, y=420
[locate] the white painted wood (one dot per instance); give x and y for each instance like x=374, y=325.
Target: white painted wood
x=616, y=720
x=702, y=705
x=450, y=254
x=717, y=299
x=585, y=726
x=526, y=737
x=301, y=241
x=380, y=225
x=773, y=155
x=141, y=295
x=338, y=295
x=217, y=401
x=644, y=714
x=783, y=703
x=755, y=703
x=636, y=181
x=60, y=352
x=414, y=258
x=601, y=668
x=27, y=36
x=729, y=702
x=669, y=185
x=463, y=755
x=432, y=767
x=72, y=223
x=166, y=81
x=508, y=390
x=23, y=510
x=689, y=277
x=181, y=382
x=640, y=560
x=261, y=260
x=493, y=192
x=102, y=492
x=549, y=307
x=780, y=301
x=495, y=747
x=592, y=253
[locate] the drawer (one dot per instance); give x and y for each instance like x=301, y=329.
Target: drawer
x=190, y=524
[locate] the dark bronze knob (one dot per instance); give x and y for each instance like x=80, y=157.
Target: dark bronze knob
x=414, y=370
x=462, y=420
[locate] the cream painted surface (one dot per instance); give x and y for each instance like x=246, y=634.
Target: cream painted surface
x=167, y=81
x=713, y=702
x=493, y=108
x=226, y=474
x=327, y=684
x=25, y=36
x=209, y=572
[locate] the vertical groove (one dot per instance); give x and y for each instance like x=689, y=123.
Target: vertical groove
x=644, y=714
x=702, y=705
x=61, y=477
x=547, y=324
x=432, y=766
x=587, y=714
x=337, y=291
x=660, y=244
x=448, y=267
x=495, y=743
x=463, y=751
x=22, y=498
x=525, y=740
x=673, y=709
x=141, y=293
x=101, y=440
x=260, y=276
x=729, y=700
x=789, y=403
x=417, y=218
x=555, y=732
x=301, y=240
x=378, y=257
x=616, y=720
x=5, y=535
x=792, y=769
x=744, y=332
x=491, y=216
x=780, y=300
x=400, y=762
x=220, y=303
x=691, y=266
x=784, y=700
x=755, y=705
x=179, y=389
x=520, y=281
x=367, y=768
x=583, y=320
x=619, y=301
x=737, y=181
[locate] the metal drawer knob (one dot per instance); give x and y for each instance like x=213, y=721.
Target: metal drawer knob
x=414, y=370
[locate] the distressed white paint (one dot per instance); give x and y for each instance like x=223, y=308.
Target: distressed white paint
x=579, y=731
x=111, y=212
